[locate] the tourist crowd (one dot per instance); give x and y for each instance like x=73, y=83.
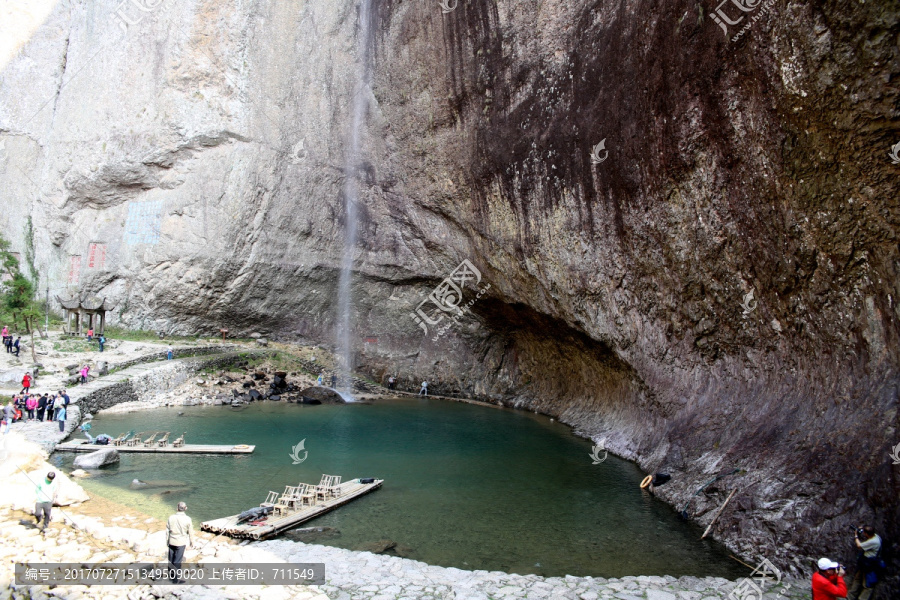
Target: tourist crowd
x=27, y=406
x=12, y=347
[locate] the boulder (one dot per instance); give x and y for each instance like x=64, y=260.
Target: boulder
x=255, y=335
x=103, y=367
x=13, y=376
x=262, y=342
x=279, y=382
x=376, y=547
x=97, y=459
x=67, y=492
x=322, y=394
x=152, y=543
x=275, y=398
x=123, y=535
x=254, y=395
x=79, y=473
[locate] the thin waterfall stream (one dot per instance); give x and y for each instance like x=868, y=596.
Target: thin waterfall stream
x=359, y=106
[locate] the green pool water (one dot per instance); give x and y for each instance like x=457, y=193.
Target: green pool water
x=465, y=486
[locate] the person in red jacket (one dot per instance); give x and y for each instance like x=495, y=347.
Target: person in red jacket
x=828, y=581
x=26, y=383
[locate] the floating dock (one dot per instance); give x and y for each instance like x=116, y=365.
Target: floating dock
x=86, y=446
x=274, y=524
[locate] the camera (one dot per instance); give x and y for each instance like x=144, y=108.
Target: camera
x=859, y=531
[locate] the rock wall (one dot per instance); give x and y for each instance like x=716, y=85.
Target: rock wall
x=686, y=237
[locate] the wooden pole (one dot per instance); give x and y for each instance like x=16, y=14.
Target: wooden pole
x=719, y=512
x=742, y=562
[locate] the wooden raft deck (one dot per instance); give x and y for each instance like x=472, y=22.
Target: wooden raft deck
x=277, y=524
x=85, y=446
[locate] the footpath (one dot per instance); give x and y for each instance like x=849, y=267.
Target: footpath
x=151, y=375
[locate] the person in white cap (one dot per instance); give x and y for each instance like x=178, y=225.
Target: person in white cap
x=828, y=582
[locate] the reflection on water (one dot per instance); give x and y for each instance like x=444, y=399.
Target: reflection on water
x=466, y=486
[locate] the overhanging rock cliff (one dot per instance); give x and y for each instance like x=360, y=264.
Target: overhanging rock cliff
x=687, y=231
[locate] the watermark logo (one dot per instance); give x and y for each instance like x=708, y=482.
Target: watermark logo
x=446, y=8
x=895, y=154
x=298, y=152
x=141, y=6
x=731, y=17
x=896, y=454
x=751, y=588
x=749, y=304
x=446, y=299
x=596, y=450
x=595, y=152
x=295, y=452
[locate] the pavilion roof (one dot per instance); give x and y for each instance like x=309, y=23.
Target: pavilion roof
x=69, y=303
x=86, y=302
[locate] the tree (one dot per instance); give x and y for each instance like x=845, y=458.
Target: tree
x=18, y=290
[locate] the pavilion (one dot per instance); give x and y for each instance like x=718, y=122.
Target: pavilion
x=87, y=310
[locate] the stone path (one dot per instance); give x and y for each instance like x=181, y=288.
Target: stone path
x=73, y=537
x=361, y=575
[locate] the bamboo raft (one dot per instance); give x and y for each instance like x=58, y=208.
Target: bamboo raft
x=289, y=510
x=86, y=446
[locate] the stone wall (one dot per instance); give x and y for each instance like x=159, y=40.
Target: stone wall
x=177, y=353
x=158, y=379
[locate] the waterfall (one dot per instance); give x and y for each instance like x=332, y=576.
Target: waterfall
x=359, y=105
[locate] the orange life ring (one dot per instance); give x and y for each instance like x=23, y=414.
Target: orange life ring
x=241, y=447
x=647, y=480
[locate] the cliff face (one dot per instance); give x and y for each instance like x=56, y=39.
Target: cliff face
x=713, y=287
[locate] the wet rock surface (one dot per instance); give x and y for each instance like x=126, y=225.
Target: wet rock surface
x=322, y=394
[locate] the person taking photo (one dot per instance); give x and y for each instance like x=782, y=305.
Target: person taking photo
x=828, y=582
x=868, y=564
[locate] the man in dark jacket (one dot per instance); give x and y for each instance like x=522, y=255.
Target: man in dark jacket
x=41, y=407
x=16, y=345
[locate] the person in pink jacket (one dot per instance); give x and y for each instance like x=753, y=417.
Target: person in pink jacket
x=30, y=405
